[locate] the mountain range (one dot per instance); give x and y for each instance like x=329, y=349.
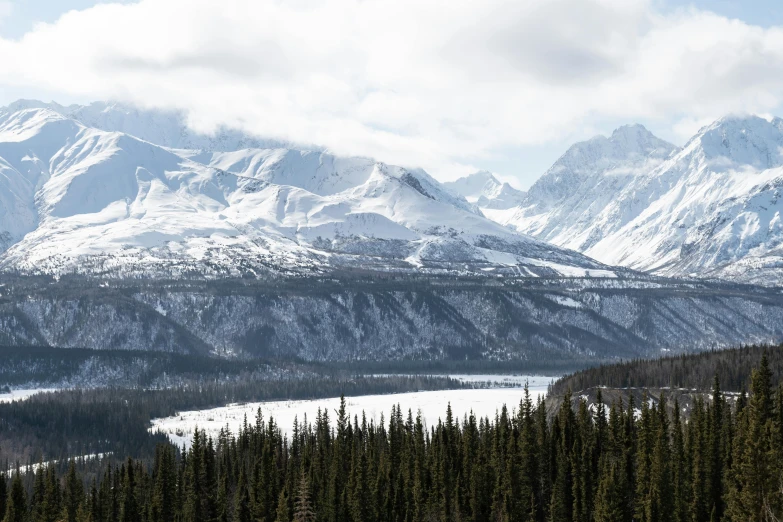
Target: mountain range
x=122, y=228
x=710, y=209
x=87, y=200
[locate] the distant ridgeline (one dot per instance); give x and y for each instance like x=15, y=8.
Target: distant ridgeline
x=693, y=372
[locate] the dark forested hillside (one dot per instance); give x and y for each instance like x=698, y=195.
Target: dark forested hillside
x=615, y=463
x=380, y=317
x=691, y=371
x=113, y=420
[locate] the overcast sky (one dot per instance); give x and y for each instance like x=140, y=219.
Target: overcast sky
x=449, y=85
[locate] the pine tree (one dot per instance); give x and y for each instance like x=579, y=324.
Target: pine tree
x=73, y=494
x=16, y=504
x=610, y=502
x=303, y=508
x=242, y=511
x=282, y=514
x=129, y=511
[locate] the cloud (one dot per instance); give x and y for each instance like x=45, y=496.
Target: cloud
x=440, y=84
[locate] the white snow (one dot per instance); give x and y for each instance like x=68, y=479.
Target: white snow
x=21, y=395
x=432, y=404
x=711, y=209
x=485, y=191
x=77, y=198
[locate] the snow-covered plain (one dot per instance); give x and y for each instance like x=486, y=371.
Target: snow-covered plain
x=21, y=395
x=431, y=404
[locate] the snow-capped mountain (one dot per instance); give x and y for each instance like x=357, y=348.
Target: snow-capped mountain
x=711, y=209
x=74, y=198
x=572, y=203
x=484, y=190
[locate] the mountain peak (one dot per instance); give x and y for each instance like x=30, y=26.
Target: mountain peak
x=740, y=140
x=474, y=185
x=485, y=190
x=633, y=131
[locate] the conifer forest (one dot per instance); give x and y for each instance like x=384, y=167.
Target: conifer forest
x=719, y=459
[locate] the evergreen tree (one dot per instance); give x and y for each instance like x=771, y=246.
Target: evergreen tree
x=242, y=511
x=303, y=508
x=283, y=513
x=754, y=486
x=16, y=504
x=610, y=503
x=73, y=495
x=129, y=511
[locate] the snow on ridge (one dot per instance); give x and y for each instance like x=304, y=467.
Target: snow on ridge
x=93, y=201
x=711, y=209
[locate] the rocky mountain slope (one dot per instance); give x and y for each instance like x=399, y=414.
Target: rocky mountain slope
x=349, y=318
x=76, y=199
x=231, y=247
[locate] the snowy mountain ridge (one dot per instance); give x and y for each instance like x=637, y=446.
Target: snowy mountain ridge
x=710, y=209
x=487, y=192
x=74, y=198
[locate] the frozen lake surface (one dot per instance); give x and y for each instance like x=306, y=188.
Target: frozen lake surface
x=432, y=404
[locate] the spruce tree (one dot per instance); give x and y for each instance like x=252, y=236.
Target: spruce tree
x=755, y=482
x=129, y=511
x=242, y=509
x=73, y=494
x=16, y=504
x=283, y=513
x=303, y=507
x=610, y=502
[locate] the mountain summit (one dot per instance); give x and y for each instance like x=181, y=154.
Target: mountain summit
x=484, y=190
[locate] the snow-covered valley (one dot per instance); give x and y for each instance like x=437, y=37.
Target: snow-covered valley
x=483, y=403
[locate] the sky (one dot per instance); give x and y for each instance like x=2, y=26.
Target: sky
x=451, y=86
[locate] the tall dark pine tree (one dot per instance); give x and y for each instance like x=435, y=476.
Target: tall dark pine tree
x=129, y=511
x=242, y=508
x=16, y=505
x=754, y=481
x=3, y=493
x=73, y=495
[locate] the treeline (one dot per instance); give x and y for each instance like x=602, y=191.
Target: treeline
x=45, y=365
x=692, y=371
x=54, y=426
x=535, y=365
x=614, y=464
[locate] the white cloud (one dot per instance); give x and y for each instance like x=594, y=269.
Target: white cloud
x=441, y=84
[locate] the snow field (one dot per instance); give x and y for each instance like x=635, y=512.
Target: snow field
x=431, y=404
